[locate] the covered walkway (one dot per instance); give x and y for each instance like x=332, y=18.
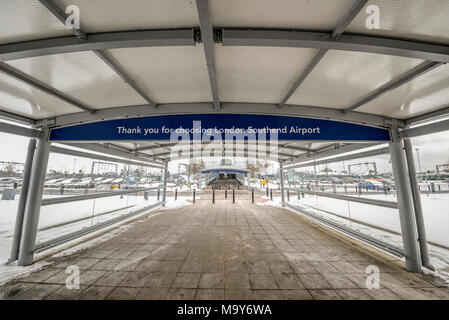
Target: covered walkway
x=235, y=251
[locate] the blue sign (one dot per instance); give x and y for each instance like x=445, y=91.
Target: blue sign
x=226, y=125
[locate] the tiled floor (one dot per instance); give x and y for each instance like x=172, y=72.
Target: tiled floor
x=226, y=251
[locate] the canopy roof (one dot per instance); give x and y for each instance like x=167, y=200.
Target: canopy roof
x=292, y=57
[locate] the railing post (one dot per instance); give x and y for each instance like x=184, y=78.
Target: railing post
x=22, y=200
x=281, y=184
x=164, y=190
x=34, y=198
x=405, y=203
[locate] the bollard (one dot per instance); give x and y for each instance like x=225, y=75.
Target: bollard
x=267, y=191
x=145, y=195
x=432, y=185
x=213, y=195
x=298, y=195
x=271, y=195
x=288, y=195
x=176, y=194
x=194, y=195
x=252, y=195
x=233, y=195
x=226, y=193
x=158, y=194
x=61, y=190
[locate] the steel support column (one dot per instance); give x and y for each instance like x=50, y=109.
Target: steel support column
x=33, y=201
x=422, y=238
x=405, y=204
x=164, y=192
x=22, y=201
x=281, y=180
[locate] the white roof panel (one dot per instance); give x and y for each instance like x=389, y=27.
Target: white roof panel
x=23, y=20
x=253, y=74
x=117, y=15
x=421, y=95
x=342, y=78
x=414, y=19
x=19, y=98
x=168, y=74
x=82, y=76
x=299, y=14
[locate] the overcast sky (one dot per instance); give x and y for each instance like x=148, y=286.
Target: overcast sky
x=433, y=150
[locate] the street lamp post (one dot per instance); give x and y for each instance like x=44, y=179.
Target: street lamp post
x=419, y=160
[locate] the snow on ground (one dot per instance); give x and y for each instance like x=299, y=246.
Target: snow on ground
x=11, y=271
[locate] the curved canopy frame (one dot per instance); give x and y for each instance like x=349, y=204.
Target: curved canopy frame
x=433, y=54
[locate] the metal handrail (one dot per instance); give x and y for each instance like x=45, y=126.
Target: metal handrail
x=50, y=201
x=374, y=202
x=388, y=247
x=41, y=246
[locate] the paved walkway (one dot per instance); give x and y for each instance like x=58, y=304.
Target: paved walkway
x=226, y=251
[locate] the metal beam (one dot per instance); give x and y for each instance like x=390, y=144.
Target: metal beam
x=61, y=16
x=296, y=148
x=22, y=201
x=15, y=117
x=429, y=116
x=98, y=41
x=234, y=150
x=316, y=59
x=118, y=69
x=433, y=127
x=347, y=19
x=418, y=71
x=17, y=130
x=405, y=204
x=168, y=145
x=81, y=35
x=236, y=108
x=343, y=158
x=207, y=35
x=339, y=29
x=437, y=52
x=77, y=153
x=162, y=146
x=323, y=40
x=33, y=200
x=16, y=74
x=328, y=153
x=419, y=216
x=104, y=149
